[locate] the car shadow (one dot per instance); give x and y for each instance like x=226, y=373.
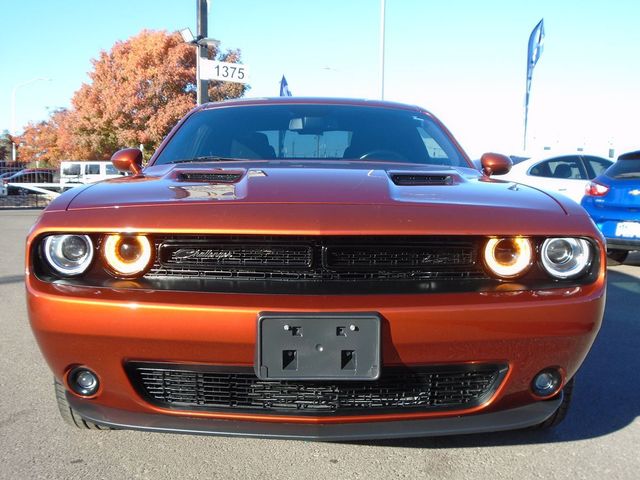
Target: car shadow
x=607, y=394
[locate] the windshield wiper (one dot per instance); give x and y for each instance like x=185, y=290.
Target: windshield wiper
x=206, y=159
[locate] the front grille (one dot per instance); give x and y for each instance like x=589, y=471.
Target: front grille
x=398, y=390
x=317, y=259
x=397, y=257
x=215, y=255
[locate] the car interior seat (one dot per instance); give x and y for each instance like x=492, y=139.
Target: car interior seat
x=563, y=170
x=253, y=145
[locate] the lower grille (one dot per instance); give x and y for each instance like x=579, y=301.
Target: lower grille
x=398, y=390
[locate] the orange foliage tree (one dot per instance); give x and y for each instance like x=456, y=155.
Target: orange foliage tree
x=138, y=91
x=49, y=141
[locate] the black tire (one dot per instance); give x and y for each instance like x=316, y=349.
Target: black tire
x=69, y=415
x=561, y=412
x=616, y=257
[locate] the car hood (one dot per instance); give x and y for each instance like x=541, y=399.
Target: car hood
x=363, y=199
x=181, y=184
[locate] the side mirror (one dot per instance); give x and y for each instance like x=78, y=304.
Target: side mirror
x=128, y=160
x=495, y=164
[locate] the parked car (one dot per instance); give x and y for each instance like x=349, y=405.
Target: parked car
x=8, y=173
x=28, y=175
x=87, y=171
x=313, y=268
x=8, y=166
x=613, y=201
x=567, y=174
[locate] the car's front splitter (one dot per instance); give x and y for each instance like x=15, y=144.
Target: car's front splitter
x=511, y=419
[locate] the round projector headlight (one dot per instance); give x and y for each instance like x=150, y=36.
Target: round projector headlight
x=68, y=255
x=566, y=257
x=508, y=257
x=127, y=255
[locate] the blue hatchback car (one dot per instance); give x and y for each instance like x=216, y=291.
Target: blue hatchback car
x=613, y=201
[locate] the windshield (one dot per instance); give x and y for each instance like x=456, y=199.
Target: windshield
x=311, y=132
x=627, y=168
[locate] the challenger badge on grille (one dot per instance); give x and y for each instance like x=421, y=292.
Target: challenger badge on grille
x=241, y=255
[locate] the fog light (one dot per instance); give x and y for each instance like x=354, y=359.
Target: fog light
x=546, y=383
x=83, y=381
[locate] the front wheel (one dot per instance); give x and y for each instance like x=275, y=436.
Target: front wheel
x=563, y=409
x=69, y=415
x=616, y=257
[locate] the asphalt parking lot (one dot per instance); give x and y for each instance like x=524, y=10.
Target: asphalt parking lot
x=599, y=438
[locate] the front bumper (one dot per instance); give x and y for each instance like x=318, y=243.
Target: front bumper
x=511, y=419
x=104, y=329
x=623, y=244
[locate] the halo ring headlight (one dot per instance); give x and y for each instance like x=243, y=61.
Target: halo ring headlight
x=69, y=254
x=508, y=257
x=566, y=257
x=127, y=255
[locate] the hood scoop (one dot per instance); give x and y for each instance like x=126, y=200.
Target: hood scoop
x=416, y=179
x=218, y=176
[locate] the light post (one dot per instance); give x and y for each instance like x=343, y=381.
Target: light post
x=381, y=80
x=13, y=111
x=202, y=44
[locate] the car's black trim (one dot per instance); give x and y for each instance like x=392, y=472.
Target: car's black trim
x=515, y=418
x=618, y=244
x=470, y=277
x=134, y=370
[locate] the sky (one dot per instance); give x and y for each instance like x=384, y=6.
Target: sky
x=465, y=61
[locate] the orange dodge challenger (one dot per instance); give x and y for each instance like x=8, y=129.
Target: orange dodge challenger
x=315, y=269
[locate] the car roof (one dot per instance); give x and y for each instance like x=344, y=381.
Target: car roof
x=630, y=156
x=524, y=164
x=309, y=101
x=34, y=170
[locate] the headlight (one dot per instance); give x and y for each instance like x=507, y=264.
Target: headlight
x=508, y=257
x=127, y=255
x=68, y=254
x=566, y=257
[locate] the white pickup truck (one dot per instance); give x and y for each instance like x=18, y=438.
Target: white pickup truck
x=87, y=171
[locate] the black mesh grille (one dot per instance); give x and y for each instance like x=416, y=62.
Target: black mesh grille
x=406, y=179
x=209, y=177
x=398, y=257
x=205, y=388
x=318, y=259
x=207, y=256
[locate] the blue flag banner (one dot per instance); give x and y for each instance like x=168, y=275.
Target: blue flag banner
x=284, y=88
x=536, y=44
x=534, y=50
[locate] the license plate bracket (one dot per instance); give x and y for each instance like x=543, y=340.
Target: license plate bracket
x=310, y=346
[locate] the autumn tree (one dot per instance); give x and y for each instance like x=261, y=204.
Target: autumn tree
x=139, y=90
x=50, y=141
x=137, y=93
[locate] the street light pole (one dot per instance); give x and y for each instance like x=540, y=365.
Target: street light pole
x=202, y=85
x=382, y=15
x=13, y=112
